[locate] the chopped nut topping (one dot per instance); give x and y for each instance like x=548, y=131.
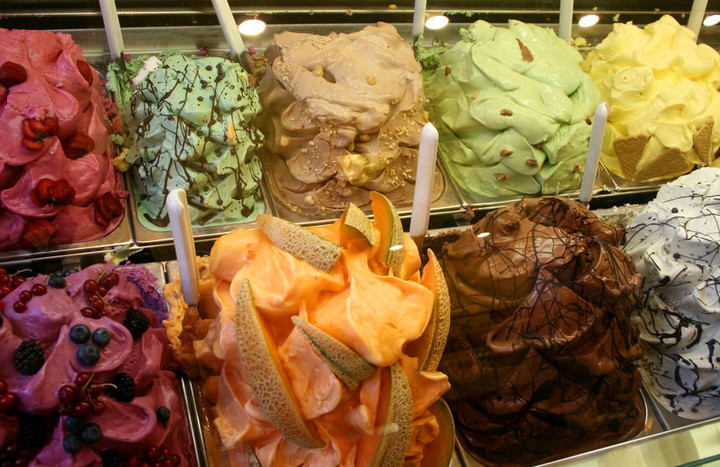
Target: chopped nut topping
x=506, y=112
x=531, y=162
x=500, y=177
x=447, y=70
x=505, y=152
x=371, y=80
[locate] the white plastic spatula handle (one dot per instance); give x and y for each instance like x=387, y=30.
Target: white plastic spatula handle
x=593, y=158
x=427, y=155
x=697, y=13
x=419, y=18
x=112, y=28
x=565, y=20
x=184, y=245
x=229, y=27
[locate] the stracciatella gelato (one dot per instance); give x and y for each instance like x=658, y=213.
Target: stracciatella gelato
x=309, y=361
x=85, y=371
x=541, y=348
x=57, y=182
x=513, y=109
x=342, y=116
x=188, y=124
x=674, y=243
x=662, y=88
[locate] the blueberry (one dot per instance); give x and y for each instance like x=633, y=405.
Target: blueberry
x=88, y=354
x=91, y=433
x=72, y=444
x=101, y=337
x=56, y=281
x=74, y=424
x=79, y=334
x=163, y=414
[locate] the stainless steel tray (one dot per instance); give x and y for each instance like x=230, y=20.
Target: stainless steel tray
x=448, y=202
x=146, y=237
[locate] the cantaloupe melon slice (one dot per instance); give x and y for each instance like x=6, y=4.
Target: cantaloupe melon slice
x=396, y=433
x=390, y=243
x=430, y=346
x=300, y=242
x=347, y=364
x=265, y=373
x=356, y=225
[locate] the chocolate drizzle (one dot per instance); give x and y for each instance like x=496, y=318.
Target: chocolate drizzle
x=192, y=130
x=675, y=243
x=541, y=347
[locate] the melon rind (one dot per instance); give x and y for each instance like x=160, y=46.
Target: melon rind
x=319, y=252
x=265, y=373
x=395, y=439
x=357, y=224
x=387, y=220
x=345, y=363
x=439, y=325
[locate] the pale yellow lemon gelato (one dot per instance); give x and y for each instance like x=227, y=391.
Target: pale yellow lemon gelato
x=662, y=88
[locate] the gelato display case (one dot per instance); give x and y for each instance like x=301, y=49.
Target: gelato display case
x=314, y=131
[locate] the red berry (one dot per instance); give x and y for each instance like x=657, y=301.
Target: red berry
x=90, y=286
x=85, y=70
x=78, y=145
x=38, y=233
x=102, y=290
x=21, y=462
x=89, y=313
x=5, y=289
x=97, y=303
x=3, y=94
x=16, y=281
x=31, y=144
x=134, y=462
x=98, y=408
x=12, y=73
x=41, y=194
x=52, y=125
x=2, y=307
x=107, y=207
x=153, y=453
x=26, y=296
x=82, y=408
x=38, y=289
x=96, y=390
x=61, y=193
x=67, y=394
x=110, y=280
x=166, y=452
x=3, y=387
x=7, y=402
x=19, y=307
x=4, y=277
x=82, y=378
x=176, y=459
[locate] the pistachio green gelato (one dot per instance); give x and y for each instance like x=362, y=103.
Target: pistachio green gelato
x=188, y=126
x=513, y=109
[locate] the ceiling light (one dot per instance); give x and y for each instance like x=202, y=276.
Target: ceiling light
x=711, y=20
x=588, y=20
x=252, y=27
x=437, y=22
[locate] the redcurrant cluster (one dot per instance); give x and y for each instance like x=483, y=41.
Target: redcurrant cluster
x=155, y=457
x=8, y=283
x=95, y=290
x=80, y=398
x=7, y=400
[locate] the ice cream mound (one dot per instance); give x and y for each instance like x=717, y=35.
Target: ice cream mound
x=84, y=376
x=313, y=341
x=188, y=122
x=57, y=182
x=675, y=243
x=513, y=109
x=662, y=88
x=541, y=347
x=342, y=116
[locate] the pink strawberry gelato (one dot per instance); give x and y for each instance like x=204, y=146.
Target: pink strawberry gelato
x=57, y=181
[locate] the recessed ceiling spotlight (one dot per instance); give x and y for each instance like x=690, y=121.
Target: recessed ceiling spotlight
x=437, y=22
x=588, y=20
x=711, y=20
x=252, y=27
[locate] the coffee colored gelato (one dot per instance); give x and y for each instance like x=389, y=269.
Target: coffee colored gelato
x=541, y=348
x=342, y=116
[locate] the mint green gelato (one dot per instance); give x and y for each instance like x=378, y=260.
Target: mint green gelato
x=513, y=109
x=188, y=123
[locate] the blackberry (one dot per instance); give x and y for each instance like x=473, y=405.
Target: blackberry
x=29, y=357
x=33, y=433
x=110, y=458
x=124, y=390
x=136, y=322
